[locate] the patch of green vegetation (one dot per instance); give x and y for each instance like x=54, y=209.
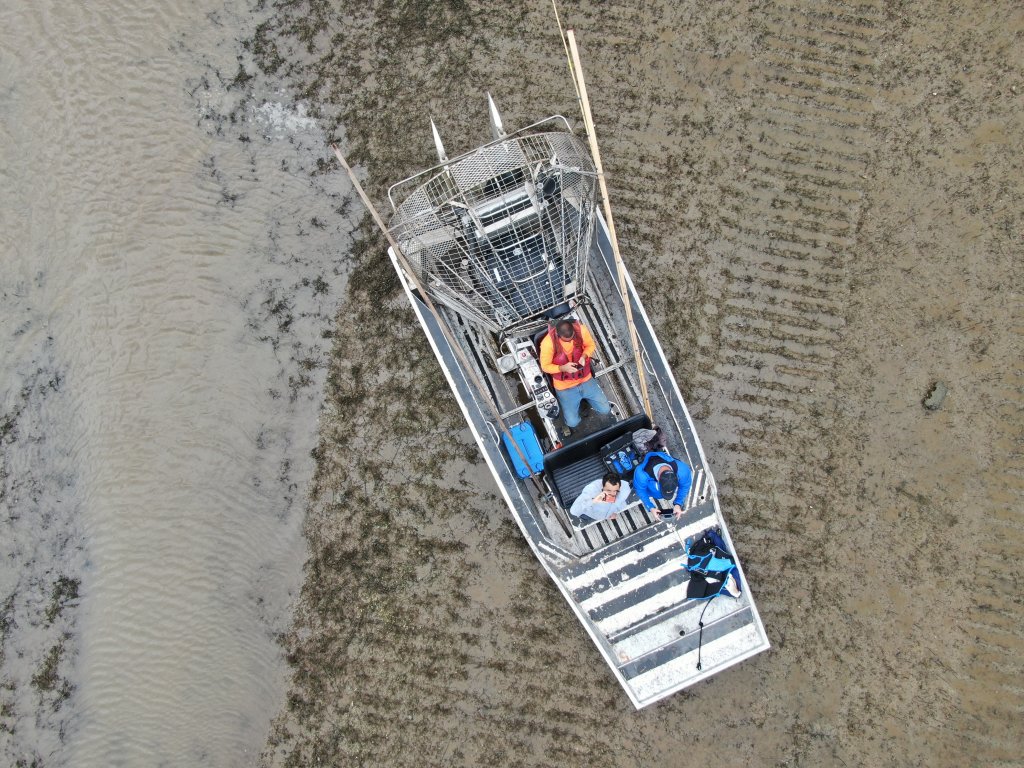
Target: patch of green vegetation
x=46, y=678
x=9, y=428
x=6, y=616
x=241, y=78
x=65, y=590
x=264, y=49
x=6, y=717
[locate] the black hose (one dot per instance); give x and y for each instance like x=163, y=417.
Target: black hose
x=700, y=621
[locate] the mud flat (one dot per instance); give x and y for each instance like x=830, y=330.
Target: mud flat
x=821, y=204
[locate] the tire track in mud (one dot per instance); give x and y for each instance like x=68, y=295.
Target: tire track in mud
x=744, y=265
x=995, y=665
x=769, y=205
x=780, y=292
x=788, y=222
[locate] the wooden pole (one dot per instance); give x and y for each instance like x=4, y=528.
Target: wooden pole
x=400, y=255
x=588, y=122
x=568, y=58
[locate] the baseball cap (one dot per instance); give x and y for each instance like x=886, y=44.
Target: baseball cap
x=667, y=481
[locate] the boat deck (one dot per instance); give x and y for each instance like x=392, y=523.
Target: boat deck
x=635, y=597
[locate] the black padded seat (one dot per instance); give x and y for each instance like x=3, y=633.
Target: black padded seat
x=574, y=465
x=570, y=479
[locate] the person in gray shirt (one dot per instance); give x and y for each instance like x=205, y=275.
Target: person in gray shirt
x=601, y=499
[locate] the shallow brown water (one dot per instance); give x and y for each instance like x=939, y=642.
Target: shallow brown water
x=166, y=286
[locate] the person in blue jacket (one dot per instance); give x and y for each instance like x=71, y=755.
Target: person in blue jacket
x=659, y=476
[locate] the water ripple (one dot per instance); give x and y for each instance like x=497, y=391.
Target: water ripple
x=142, y=264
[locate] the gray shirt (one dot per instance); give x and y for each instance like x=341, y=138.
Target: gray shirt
x=599, y=510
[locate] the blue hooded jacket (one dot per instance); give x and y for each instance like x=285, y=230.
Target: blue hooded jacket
x=646, y=485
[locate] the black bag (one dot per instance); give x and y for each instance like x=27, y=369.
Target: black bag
x=620, y=456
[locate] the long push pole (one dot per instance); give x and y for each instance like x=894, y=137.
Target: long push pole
x=568, y=57
x=400, y=255
x=588, y=122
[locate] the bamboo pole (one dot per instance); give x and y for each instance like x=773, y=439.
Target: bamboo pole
x=568, y=58
x=400, y=255
x=588, y=122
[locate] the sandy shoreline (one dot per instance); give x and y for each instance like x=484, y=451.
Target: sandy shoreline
x=822, y=208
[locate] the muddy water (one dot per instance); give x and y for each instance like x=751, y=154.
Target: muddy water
x=167, y=285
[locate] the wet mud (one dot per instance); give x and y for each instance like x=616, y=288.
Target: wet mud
x=821, y=205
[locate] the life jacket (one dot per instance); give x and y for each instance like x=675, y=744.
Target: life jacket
x=560, y=358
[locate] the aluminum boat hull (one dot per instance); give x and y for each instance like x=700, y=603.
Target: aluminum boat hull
x=628, y=592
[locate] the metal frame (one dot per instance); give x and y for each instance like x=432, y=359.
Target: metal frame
x=496, y=140
x=502, y=234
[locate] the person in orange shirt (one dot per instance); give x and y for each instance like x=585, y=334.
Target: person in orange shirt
x=565, y=355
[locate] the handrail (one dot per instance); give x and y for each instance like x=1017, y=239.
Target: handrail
x=464, y=155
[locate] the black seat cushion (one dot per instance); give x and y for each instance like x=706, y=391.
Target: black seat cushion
x=574, y=465
x=571, y=479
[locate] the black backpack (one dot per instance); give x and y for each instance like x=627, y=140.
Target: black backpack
x=713, y=572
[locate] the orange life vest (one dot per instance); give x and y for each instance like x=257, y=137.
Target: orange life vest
x=560, y=358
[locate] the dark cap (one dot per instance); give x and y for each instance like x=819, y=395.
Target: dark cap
x=667, y=481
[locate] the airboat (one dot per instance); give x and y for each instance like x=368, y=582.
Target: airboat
x=492, y=247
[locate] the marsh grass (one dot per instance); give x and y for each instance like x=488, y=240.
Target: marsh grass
x=65, y=591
